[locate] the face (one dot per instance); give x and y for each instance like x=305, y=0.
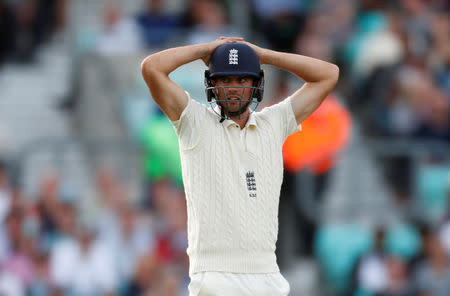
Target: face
x=233, y=91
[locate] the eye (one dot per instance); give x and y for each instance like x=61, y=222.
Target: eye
x=243, y=80
x=224, y=80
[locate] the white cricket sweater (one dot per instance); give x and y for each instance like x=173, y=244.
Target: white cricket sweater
x=232, y=180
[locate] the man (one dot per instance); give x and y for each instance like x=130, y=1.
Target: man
x=231, y=158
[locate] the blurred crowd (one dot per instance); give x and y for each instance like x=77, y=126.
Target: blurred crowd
x=394, y=58
x=58, y=243
x=24, y=25
x=393, y=55
x=390, y=273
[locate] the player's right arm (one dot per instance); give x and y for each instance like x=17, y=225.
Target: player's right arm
x=156, y=68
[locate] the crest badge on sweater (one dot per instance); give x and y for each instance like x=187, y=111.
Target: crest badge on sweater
x=251, y=184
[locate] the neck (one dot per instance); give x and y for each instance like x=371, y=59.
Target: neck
x=241, y=119
x=241, y=122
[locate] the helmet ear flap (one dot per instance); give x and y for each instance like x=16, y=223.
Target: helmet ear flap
x=260, y=87
x=209, y=93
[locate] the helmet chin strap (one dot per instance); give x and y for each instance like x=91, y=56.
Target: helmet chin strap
x=222, y=115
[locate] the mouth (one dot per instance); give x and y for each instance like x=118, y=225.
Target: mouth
x=233, y=99
x=234, y=102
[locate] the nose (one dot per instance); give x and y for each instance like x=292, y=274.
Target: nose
x=234, y=91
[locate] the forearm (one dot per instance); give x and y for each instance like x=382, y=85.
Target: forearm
x=309, y=69
x=170, y=59
x=320, y=78
x=156, y=68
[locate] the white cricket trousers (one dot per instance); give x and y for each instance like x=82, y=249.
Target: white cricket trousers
x=212, y=283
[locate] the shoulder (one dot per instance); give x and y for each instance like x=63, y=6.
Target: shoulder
x=194, y=116
x=281, y=117
x=276, y=111
x=192, y=108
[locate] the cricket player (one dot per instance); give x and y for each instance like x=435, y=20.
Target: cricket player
x=231, y=158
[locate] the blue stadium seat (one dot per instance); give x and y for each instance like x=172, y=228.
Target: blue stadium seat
x=338, y=247
x=403, y=241
x=432, y=187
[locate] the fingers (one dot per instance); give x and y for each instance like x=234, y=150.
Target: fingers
x=231, y=39
x=214, y=44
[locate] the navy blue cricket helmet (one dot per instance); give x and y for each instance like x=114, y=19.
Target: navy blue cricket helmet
x=234, y=59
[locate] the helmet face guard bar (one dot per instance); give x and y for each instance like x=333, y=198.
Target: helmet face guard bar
x=212, y=94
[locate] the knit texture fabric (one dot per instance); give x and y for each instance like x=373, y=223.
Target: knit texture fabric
x=232, y=180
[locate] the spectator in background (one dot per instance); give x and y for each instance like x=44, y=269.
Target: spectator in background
x=371, y=271
x=169, y=283
x=209, y=21
x=66, y=220
x=154, y=278
x=156, y=25
x=25, y=24
x=378, y=49
x=25, y=41
x=436, y=126
x=48, y=205
x=418, y=109
x=7, y=31
x=18, y=260
x=439, y=56
x=335, y=21
x=432, y=276
x=314, y=40
x=10, y=285
x=369, y=62
x=171, y=238
x=104, y=205
x=399, y=283
x=120, y=35
x=132, y=241
x=417, y=20
x=60, y=12
x=51, y=19
x=16, y=240
x=83, y=265
x=311, y=41
x=168, y=208
x=41, y=284
x=62, y=247
x=398, y=93
x=144, y=279
x=105, y=181
x=280, y=21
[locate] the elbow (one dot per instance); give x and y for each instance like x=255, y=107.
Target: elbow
x=149, y=68
x=333, y=74
x=146, y=66
x=143, y=65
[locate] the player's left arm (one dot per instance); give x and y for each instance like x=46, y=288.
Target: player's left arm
x=320, y=78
